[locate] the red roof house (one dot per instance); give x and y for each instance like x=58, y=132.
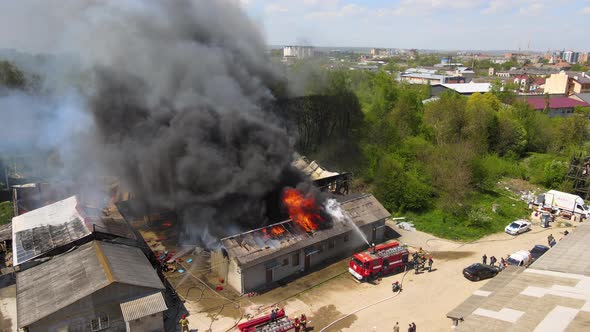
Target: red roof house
x=557, y=105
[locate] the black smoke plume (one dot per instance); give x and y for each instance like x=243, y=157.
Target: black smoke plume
x=177, y=91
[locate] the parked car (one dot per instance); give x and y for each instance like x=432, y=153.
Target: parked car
x=538, y=251
x=518, y=227
x=479, y=271
x=520, y=258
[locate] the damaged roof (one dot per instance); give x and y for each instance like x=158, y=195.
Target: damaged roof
x=312, y=169
x=252, y=248
x=46, y=288
x=42, y=230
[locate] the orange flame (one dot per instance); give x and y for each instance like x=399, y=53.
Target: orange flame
x=302, y=209
x=273, y=231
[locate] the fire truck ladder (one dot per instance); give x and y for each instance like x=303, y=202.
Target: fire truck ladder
x=390, y=251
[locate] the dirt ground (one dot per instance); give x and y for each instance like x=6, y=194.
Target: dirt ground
x=332, y=293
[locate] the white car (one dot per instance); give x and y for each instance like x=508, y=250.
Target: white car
x=518, y=227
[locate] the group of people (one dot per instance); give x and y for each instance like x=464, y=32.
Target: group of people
x=411, y=327
x=419, y=259
x=493, y=260
x=300, y=323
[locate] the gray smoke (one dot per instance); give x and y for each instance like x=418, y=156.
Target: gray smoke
x=175, y=91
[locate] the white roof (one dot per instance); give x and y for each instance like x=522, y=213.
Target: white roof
x=46, y=228
x=469, y=87
x=144, y=306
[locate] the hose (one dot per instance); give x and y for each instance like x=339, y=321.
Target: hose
x=369, y=305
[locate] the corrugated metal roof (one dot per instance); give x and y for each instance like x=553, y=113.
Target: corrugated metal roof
x=144, y=306
x=556, y=102
x=55, y=284
x=251, y=248
x=469, y=87
x=312, y=169
x=39, y=231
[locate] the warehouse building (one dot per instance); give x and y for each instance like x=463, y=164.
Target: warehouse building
x=97, y=286
x=254, y=260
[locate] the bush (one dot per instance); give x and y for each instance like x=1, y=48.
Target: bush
x=5, y=212
x=554, y=174
x=488, y=169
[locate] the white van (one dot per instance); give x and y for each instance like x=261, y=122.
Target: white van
x=520, y=258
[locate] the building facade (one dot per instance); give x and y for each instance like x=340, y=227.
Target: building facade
x=251, y=261
x=84, y=289
x=567, y=83
x=298, y=52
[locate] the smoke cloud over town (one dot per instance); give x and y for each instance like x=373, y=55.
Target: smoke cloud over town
x=168, y=96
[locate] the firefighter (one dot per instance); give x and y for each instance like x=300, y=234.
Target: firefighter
x=273, y=315
x=430, y=261
x=297, y=324
x=183, y=323
x=421, y=253
x=303, y=321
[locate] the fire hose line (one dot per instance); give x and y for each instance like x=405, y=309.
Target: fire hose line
x=239, y=307
x=367, y=306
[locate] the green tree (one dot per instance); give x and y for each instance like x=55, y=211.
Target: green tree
x=11, y=76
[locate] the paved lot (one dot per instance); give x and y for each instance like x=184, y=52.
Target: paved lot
x=331, y=293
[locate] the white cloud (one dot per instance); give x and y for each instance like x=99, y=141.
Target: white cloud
x=346, y=10
x=275, y=8
x=586, y=10
x=533, y=9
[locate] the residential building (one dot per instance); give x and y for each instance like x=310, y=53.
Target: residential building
x=558, y=106
x=570, y=57
x=567, y=83
x=465, y=89
x=528, y=83
x=298, y=52
x=96, y=286
x=550, y=295
x=583, y=58
x=379, y=52
x=585, y=97
x=254, y=260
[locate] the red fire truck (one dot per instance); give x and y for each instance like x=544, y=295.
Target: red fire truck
x=378, y=261
x=282, y=323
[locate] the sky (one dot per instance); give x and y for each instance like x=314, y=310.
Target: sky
x=539, y=25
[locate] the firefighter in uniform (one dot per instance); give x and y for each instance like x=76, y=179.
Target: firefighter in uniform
x=297, y=325
x=183, y=324
x=303, y=321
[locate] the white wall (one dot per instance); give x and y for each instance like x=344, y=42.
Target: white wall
x=152, y=323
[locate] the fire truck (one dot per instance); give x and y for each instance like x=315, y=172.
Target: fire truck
x=282, y=323
x=378, y=261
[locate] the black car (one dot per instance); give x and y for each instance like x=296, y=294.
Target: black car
x=478, y=271
x=538, y=251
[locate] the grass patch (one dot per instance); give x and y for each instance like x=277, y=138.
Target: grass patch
x=5, y=212
x=477, y=222
x=535, y=164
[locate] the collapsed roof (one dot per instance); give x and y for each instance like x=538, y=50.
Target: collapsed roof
x=39, y=231
x=252, y=248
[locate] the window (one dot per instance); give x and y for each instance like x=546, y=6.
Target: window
x=101, y=322
x=285, y=262
x=296, y=259
x=346, y=237
x=331, y=244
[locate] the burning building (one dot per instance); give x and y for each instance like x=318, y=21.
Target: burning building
x=258, y=258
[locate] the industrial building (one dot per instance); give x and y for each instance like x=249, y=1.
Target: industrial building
x=254, y=260
x=57, y=227
x=97, y=286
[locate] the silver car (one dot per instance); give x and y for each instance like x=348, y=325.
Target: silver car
x=518, y=227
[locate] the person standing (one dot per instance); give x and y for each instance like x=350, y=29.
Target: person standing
x=413, y=327
x=430, y=261
x=297, y=325
x=484, y=259
x=396, y=327
x=183, y=324
x=549, y=239
x=303, y=321
x=273, y=315
x=410, y=328
x=493, y=261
